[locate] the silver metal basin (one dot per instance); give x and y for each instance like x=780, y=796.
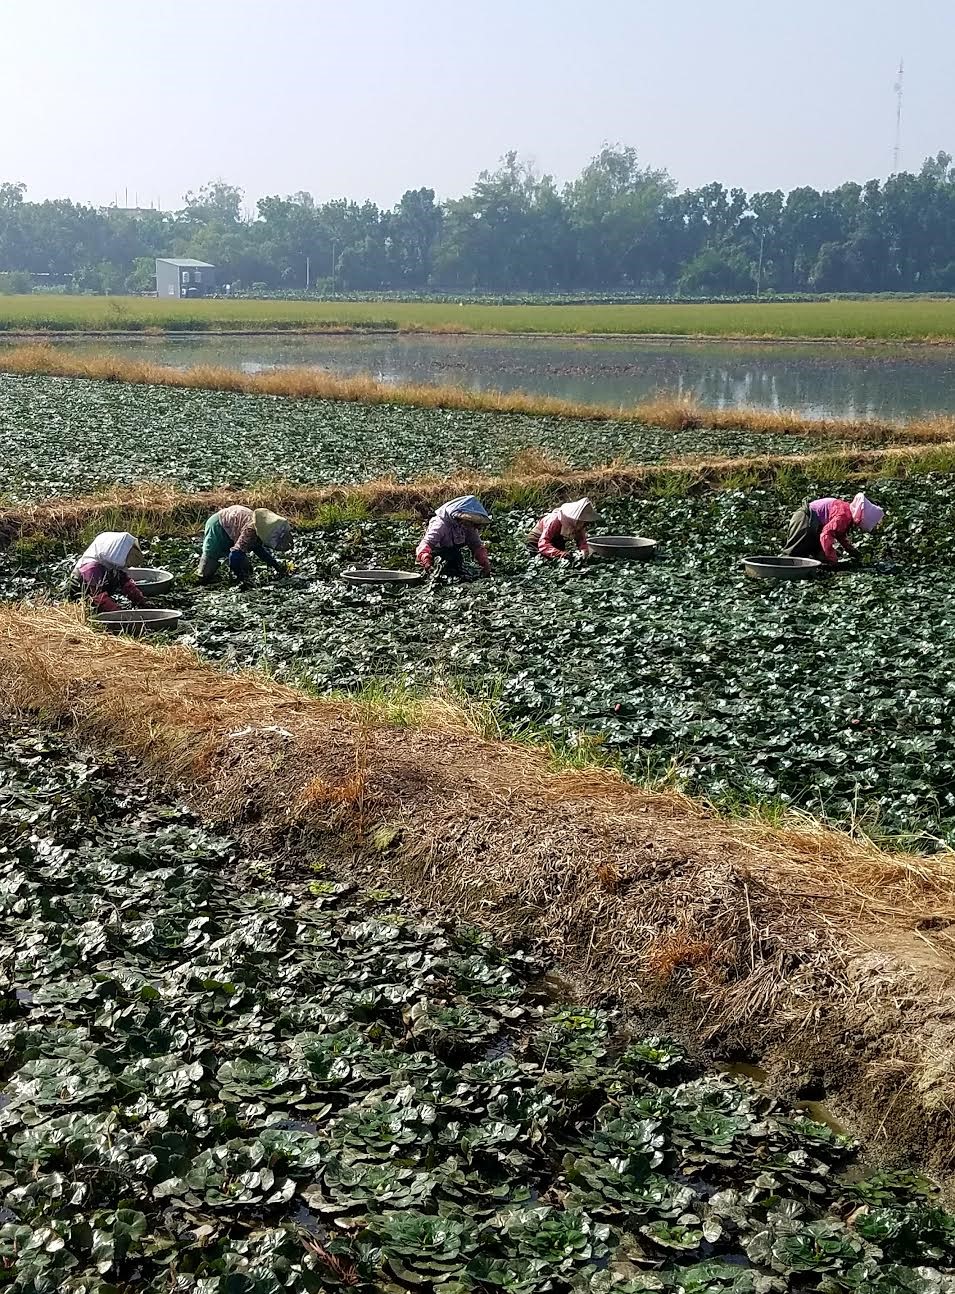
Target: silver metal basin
x=151, y=580
x=406, y=578
x=780, y=568
x=148, y=621
x=628, y=548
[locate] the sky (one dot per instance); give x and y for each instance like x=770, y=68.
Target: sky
x=141, y=100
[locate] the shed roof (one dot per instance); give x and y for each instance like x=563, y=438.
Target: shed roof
x=185, y=262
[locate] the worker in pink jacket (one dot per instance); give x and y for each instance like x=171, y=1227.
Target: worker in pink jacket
x=103, y=571
x=817, y=527
x=562, y=530
x=455, y=526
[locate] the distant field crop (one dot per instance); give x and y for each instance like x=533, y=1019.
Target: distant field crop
x=879, y=319
x=69, y=436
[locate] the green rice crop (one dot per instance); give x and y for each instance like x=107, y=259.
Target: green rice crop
x=878, y=318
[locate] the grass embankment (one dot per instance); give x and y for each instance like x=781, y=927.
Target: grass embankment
x=877, y=319
x=668, y=413
x=534, y=482
x=813, y=950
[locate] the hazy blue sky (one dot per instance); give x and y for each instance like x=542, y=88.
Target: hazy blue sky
x=365, y=98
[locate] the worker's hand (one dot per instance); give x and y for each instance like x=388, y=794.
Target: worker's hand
x=280, y=569
x=485, y=573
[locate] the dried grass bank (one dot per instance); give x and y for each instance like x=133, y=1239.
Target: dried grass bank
x=829, y=960
x=534, y=482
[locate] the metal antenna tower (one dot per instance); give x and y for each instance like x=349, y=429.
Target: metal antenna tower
x=897, y=151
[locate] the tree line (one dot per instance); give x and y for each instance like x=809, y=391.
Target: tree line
x=618, y=227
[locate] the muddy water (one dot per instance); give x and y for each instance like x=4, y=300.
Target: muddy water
x=816, y=1110
x=887, y=381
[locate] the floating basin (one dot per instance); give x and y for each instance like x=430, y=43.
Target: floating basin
x=628, y=548
x=373, y=576
x=151, y=580
x=148, y=621
x=780, y=568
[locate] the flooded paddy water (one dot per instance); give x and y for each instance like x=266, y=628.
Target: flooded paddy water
x=829, y=379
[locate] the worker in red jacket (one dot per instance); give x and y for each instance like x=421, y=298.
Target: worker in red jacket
x=817, y=527
x=563, y=530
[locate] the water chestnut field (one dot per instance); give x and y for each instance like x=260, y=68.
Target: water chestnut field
x=835, y=694
x=72, y=436
x=881, y=319
x=217, y=1080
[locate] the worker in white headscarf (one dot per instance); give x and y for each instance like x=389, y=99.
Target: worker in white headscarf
x=103, y=571
x=818, y=526
x=455, y=526
x=562, y=530
x=234, y=534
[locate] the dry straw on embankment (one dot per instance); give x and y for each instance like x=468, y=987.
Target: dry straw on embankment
x=819, y=953
x=669, y=413
x=158, y=509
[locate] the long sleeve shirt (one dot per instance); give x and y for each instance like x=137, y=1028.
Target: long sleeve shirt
x=447, y=532
x=238, y=522
x=550, y=529
x=836, y=520
x=98, y=583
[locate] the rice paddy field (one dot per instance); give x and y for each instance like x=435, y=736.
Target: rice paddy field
x=876, y=318
x=231, y=1065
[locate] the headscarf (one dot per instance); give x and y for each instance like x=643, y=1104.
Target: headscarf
x=115, y=549
x=574, y=516
x=467, y=509
x=865, y=514
x=273, y=530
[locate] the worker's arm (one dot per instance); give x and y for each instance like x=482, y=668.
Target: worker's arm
x=436, y=536
x=249, y=544
x=132, y=591
x=478, y=550
x=835, y=531
x=546, y=546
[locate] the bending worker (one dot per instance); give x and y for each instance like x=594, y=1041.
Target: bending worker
x=235, y=533
x=817, y=526
x=566, y=525
x=103, y=571
x=455, y=526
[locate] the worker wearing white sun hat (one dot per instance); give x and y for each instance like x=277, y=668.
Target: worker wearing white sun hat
x=237, y=533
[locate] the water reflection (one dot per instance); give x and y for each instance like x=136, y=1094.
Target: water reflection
x=818, y=380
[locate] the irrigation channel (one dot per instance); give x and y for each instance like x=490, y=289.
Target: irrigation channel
x=227, y=1074
x=814, y=380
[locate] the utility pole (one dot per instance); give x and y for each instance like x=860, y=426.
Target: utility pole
x=759, y=268
x=897, y=151
x=334, y=246
x=308, y=277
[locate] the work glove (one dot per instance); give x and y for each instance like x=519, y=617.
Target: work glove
x=239, y=564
